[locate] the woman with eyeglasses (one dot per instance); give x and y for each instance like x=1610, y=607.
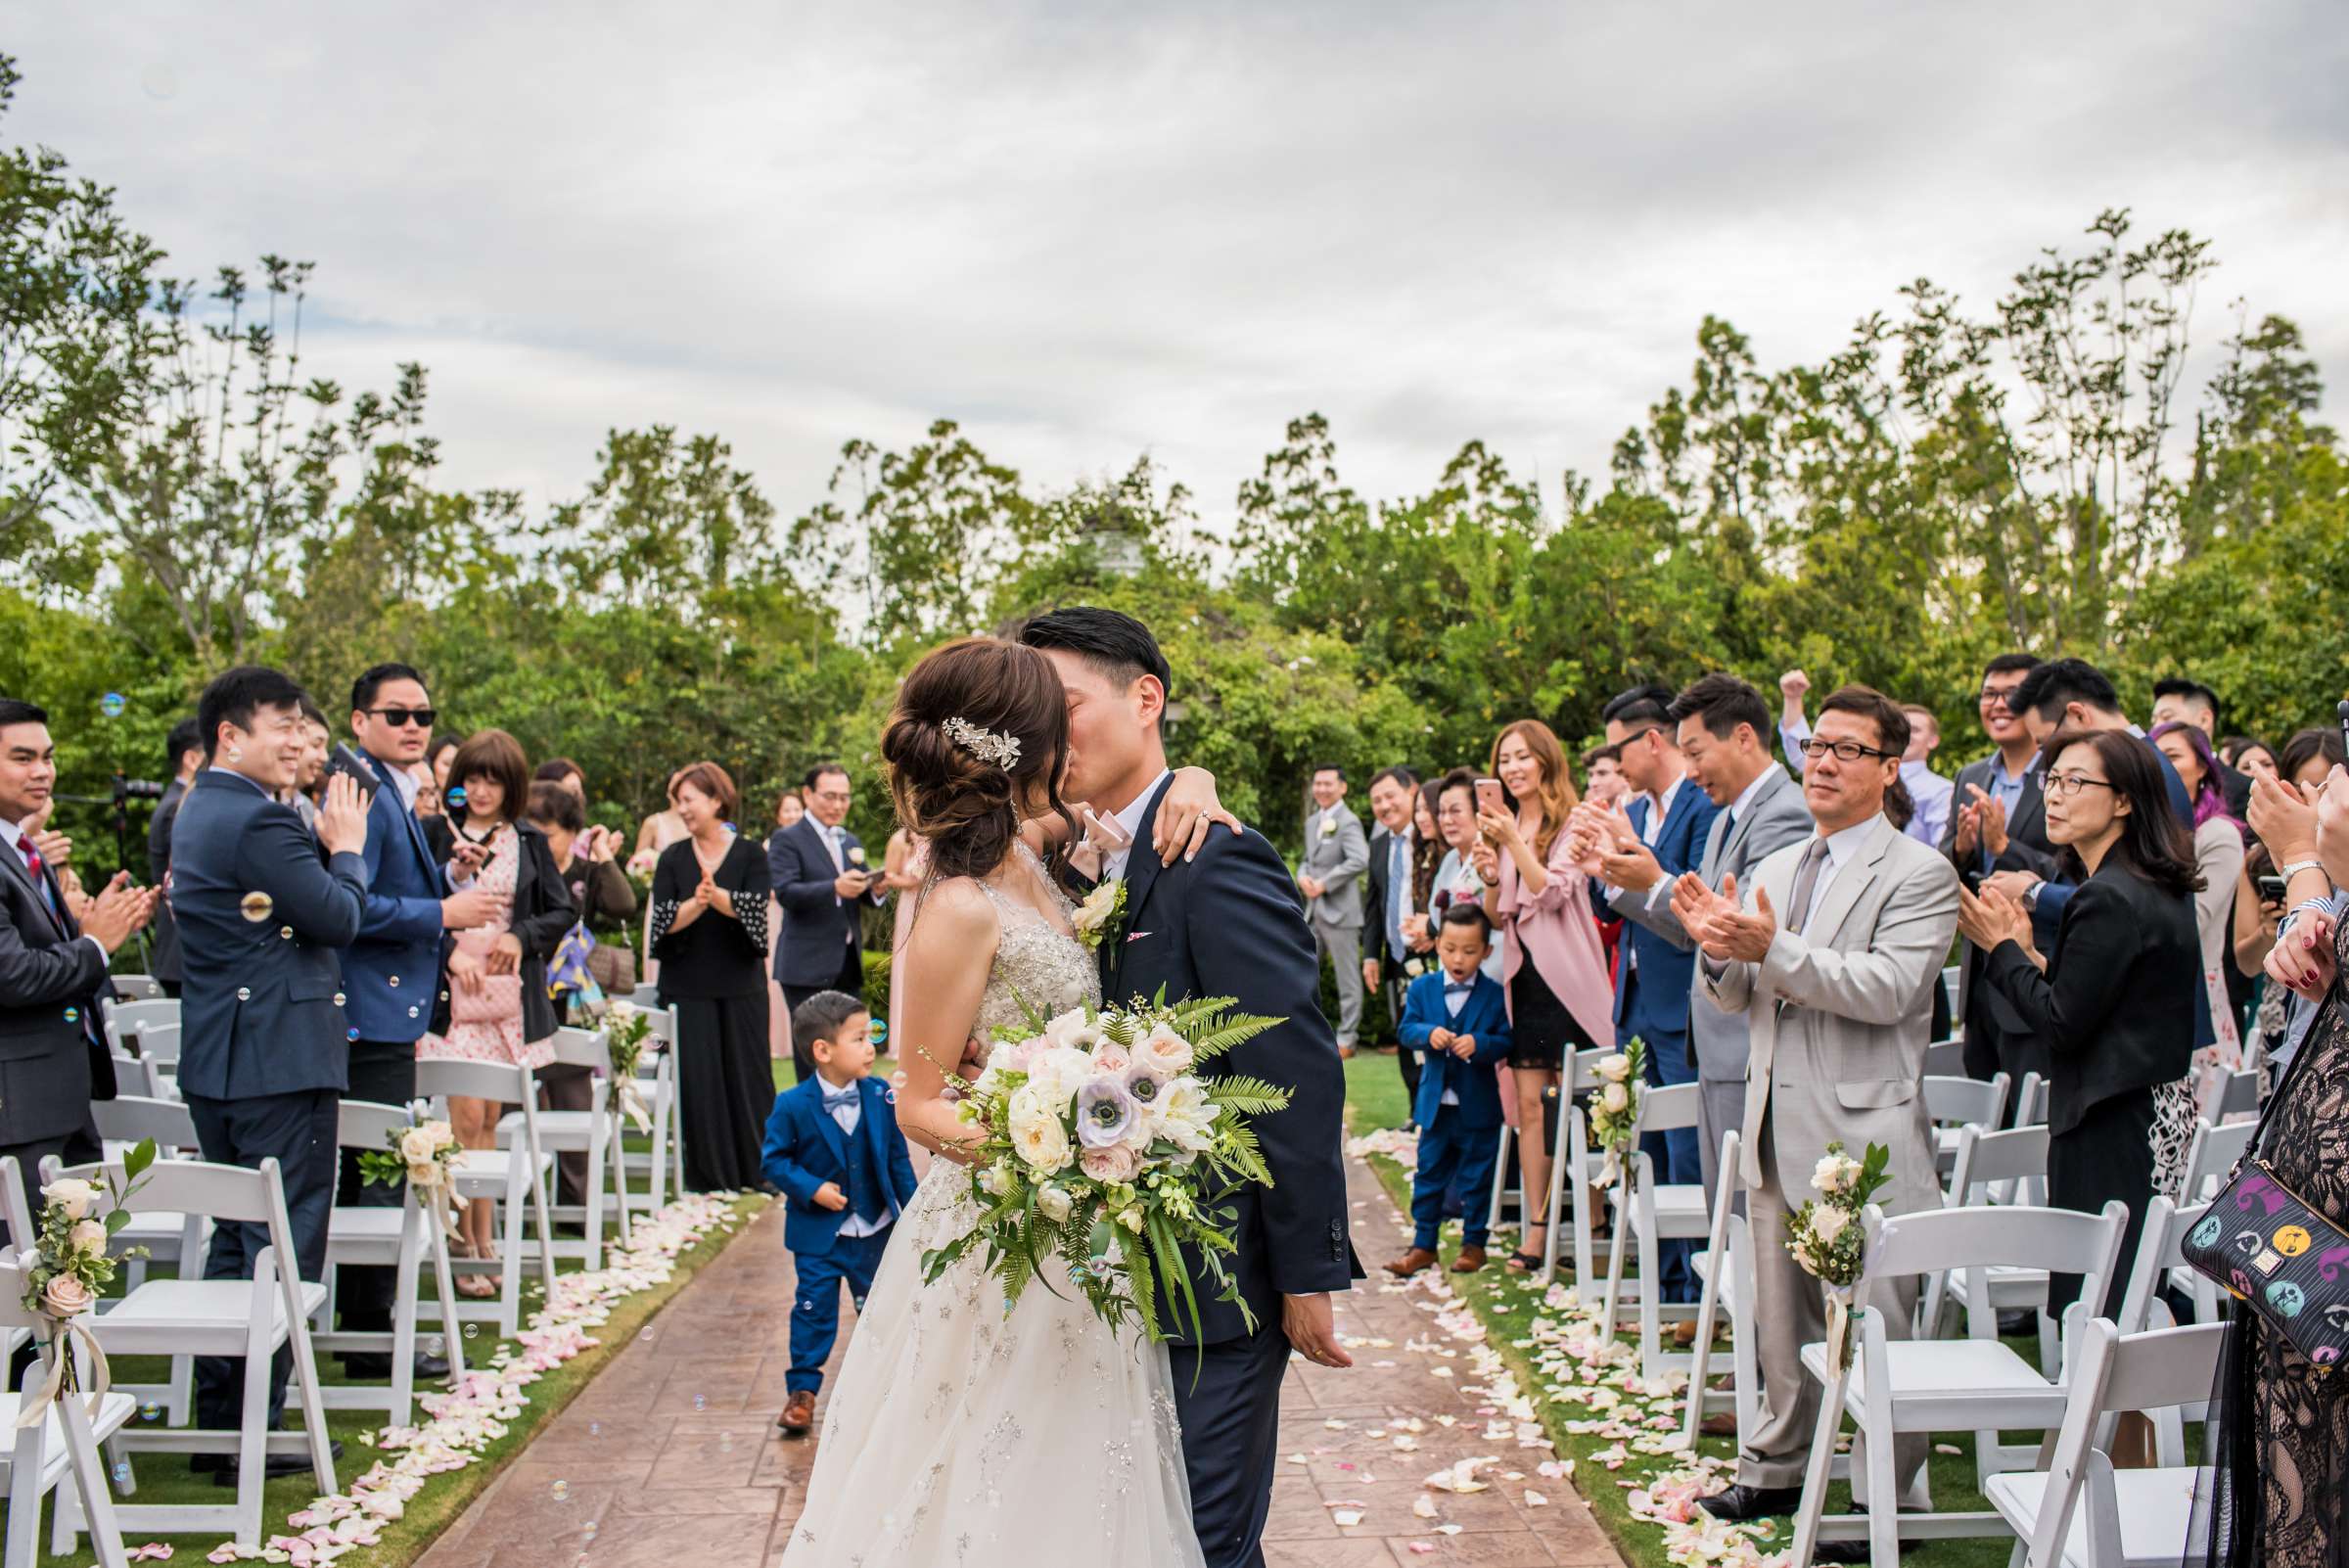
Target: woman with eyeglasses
x=2113, y=1001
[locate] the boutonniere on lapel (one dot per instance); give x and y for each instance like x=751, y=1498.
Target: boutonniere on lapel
x=856, y=855
x=1098, y=916
x=1329, y=827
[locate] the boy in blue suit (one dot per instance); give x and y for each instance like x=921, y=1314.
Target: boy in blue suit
x=834, y=1148
x=1455, y=1015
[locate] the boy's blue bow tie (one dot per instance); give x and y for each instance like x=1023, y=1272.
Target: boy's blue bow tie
x=834, y=1098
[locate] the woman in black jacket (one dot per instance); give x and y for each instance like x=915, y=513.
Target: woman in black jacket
x=494, y=1004
x=2115, y=1003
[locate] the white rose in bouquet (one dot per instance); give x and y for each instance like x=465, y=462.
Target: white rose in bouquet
x=994, y=1181
x=1828, y=1222
x=88, y=1237
x=1073, y=1030
x=1056, y=1074
x=1053, y=1204
x=424, y=1174
x=1163, y=1051
x=619, y=1012
x=1036, y=1131
x=76, y=1195
x=1187, y=1116
x=1120, y=1162
x=1835, y=1173
x=1615, y=1097
x=1614, y=1069
x=416, y=1145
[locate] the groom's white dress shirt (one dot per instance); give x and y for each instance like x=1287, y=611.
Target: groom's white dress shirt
x=1113, y=865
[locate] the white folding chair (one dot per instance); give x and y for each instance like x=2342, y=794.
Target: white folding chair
x=20, y=1237
x=158, y=1049
x=137, y=987
x=123, y=1018
x=135, y=1075
x=2211, y=1156
x=386, y=1237
x=1727, y=1266
x=2083, y=1512
x=247, y=1319
x=657, y=1079
x=1573, y=1172
x=1658, y=1211
x=177, y=1239
x=511, y=1176
x=2009, y=1167
x=1939, y=1385
x=589, y=1133
x=1946, y=1058
x=2234, y=1093
x=2031, y=1101
x=66, y=1439
x=1952, y=1103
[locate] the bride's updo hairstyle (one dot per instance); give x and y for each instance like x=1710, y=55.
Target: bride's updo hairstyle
x=949, y=748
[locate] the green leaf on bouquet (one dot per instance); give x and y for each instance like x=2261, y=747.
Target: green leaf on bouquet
x=140, y=1157
x=116, y=1220
x=1144, y=1280
x=1250, y=1096
x=1170, y=1264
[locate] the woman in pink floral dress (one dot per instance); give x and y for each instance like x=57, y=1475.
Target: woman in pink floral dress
x=494, y=1006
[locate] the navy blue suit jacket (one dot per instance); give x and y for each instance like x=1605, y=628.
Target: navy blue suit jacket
x=258, y=1006
x=817, y=922
x=392, y=970
x=806, y=1148
x=1485, y=1019
x=1229, y=924
x=1654, y=1000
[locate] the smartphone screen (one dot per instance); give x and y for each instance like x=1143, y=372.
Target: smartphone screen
x=2271, y=889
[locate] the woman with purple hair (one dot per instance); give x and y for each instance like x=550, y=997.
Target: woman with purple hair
x=2219, y=855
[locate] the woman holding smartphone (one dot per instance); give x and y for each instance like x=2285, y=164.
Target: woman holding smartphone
x=1553, y=968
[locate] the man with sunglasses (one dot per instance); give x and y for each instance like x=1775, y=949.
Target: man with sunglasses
x=392, y=973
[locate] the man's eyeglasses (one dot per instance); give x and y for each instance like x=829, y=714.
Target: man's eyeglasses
x=1995, y=696
x=1846, y=751
x=834, y=796
x=396, y=717
x=2065, y=785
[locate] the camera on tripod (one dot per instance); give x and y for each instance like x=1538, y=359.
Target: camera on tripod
x=136, y=789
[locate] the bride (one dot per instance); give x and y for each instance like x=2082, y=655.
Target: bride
x=959, y=1434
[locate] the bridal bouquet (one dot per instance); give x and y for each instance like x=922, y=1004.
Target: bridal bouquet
x=1827, y=1238
x=1104, y=1148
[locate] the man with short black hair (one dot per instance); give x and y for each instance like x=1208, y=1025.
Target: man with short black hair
x=1999, y=825
x=2177, y=699
x=53, y=1057
x=1668, y=821
x=263, y=1034
x=822, y=882
x=1328, y=874
x=183, y=756
x=1393, y=793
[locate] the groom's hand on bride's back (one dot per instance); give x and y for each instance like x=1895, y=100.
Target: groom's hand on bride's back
x=1311, y=1327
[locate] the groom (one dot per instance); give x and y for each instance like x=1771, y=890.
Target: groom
x=1226, y=923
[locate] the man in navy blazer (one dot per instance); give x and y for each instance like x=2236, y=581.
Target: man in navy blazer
x=1671, y=819
x=834, y=1148
x=1457, y=1018
x=822, y=882
x=53, y=1059
x=1226, y=922
x=391, y=972
x=263, y=1037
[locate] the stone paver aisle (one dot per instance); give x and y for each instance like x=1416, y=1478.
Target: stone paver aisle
x=669, y=1456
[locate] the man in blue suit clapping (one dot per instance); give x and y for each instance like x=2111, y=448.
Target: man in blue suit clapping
x=263, y=1045
x=1458, y=1016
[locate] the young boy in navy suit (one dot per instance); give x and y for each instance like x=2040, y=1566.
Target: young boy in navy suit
x=834, y=1148
x=1456, y=1016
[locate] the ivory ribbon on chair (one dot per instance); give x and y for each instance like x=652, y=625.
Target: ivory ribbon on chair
x=1840, y=1313
x=55, y=1387
x=628, y=1100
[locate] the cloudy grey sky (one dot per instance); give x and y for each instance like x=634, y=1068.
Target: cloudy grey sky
x=1090, y=231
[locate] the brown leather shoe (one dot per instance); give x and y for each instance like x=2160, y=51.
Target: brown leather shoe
x=799, y=1414
x=1683, y=1335
x=1470, y=1260
x=1410, y=1262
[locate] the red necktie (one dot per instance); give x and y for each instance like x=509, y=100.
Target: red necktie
x=40, y=879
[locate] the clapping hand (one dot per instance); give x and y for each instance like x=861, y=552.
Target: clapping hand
x=2284, y=819
x=1992, y=918
x=2303, y=959
x=1627, y=862
x=1726, y=930
x=1990, y=820
x=342, y=816
x=118, y=910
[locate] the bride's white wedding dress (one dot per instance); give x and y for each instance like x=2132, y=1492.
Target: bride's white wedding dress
x=959, y=1436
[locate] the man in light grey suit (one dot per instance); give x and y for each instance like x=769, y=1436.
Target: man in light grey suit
x=1831, y=953
x=1336, y=855
x=1722, y=724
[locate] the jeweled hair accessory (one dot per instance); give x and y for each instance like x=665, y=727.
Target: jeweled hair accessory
x=1003, y=751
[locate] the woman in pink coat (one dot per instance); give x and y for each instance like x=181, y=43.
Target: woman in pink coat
x=1553, y=965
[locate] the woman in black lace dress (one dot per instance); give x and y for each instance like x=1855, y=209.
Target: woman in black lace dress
x=2284, y=1431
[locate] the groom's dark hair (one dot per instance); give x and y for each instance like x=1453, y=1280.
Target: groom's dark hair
x=1113, y=642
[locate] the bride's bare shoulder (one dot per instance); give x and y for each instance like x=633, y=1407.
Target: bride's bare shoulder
x=956, y=913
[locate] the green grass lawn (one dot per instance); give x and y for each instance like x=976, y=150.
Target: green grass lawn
x=1507, y=1305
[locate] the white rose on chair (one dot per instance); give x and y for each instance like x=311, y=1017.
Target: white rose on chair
x=72, y=1194
x=1834, y=1173
x=87, y=1237
x=416, y=1145
x=1825, y=1240
x=1828, y=1224
x=1614, y=1069
x=1615, y=1098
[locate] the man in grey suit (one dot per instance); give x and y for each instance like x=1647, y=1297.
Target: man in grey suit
x=1721, y=725
x=1330, y=876
x=1832, y=952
